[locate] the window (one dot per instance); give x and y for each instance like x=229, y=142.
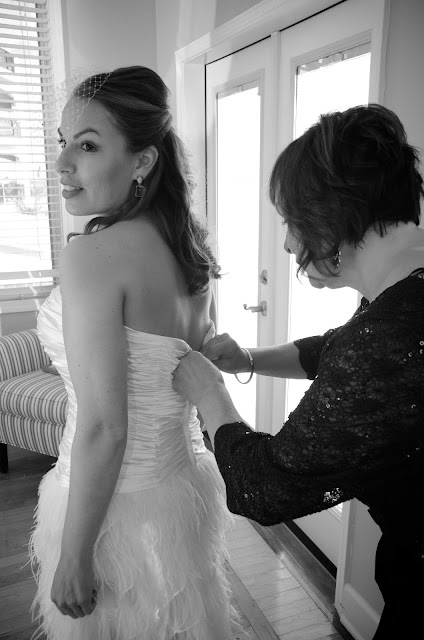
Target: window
x=30, y=203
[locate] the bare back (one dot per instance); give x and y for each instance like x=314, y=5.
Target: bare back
x=155, y=297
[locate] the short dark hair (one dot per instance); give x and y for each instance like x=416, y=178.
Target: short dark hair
x=136, y=99
x=350, y=171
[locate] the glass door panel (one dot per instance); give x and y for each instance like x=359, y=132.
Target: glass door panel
x=238, y=172
x=332, y=83
x=239, y=107
x=325, y=66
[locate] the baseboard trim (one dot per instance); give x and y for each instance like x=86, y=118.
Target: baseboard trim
x=316, y=551
x=355, y=608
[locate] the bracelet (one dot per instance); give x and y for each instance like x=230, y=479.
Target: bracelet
x=249, y=355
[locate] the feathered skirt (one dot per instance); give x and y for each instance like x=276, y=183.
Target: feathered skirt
x=158, y=562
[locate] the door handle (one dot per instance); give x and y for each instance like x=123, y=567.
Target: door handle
x=262, y=308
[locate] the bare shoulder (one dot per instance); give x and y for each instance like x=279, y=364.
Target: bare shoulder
x=114, y=257
x=76, y=256
x=89, y=279
x=91, y=255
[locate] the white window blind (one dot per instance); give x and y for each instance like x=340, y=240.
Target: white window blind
x=30, y=202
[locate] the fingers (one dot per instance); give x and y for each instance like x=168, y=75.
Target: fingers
x=76, y=609
x=88, y=607
x=72, y=610
x=220, y=346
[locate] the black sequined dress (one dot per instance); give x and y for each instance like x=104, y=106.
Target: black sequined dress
x=358, y=431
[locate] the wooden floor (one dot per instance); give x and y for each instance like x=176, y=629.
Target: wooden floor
x=280, y=607
x=271, y=601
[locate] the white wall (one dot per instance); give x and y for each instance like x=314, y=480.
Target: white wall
x=11, y=322
x=225, y=10
x=180, y=22
x=109, y=33
x=405, y=67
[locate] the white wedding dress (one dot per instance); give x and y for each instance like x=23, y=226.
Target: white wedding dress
x=158, y=559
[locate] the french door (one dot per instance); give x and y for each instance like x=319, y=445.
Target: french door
x=257, y=101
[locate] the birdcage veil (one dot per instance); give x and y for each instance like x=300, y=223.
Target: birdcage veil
x=86, y=82
x=75, y=93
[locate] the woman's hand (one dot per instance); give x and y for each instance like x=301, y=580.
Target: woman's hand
x=196, y=378
x=73, y=589
x=200, y=382
x=226, y=354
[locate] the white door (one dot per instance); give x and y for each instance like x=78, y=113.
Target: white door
x=325, y=66
x=239, y=97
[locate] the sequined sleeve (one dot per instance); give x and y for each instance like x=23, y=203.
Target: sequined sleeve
x=310, y=352
x=357, y=422
x=310, y=348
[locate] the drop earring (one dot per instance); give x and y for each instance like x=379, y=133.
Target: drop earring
x=336, y=259
x=140, y=189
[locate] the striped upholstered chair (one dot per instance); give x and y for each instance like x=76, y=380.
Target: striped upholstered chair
x=33, y=403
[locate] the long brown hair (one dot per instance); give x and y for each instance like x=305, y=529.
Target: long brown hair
x=136, y=99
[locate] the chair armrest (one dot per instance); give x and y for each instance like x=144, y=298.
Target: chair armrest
x=21, y=353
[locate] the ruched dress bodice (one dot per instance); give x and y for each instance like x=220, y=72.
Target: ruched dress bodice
x=164, y=433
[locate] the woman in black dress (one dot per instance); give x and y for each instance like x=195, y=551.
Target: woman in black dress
x=349, y=192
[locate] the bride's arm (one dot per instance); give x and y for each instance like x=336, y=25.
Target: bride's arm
x=97, y=359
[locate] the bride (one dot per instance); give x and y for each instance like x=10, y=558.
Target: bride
x=129, y=529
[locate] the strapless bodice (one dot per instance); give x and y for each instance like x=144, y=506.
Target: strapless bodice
x=163, y=430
